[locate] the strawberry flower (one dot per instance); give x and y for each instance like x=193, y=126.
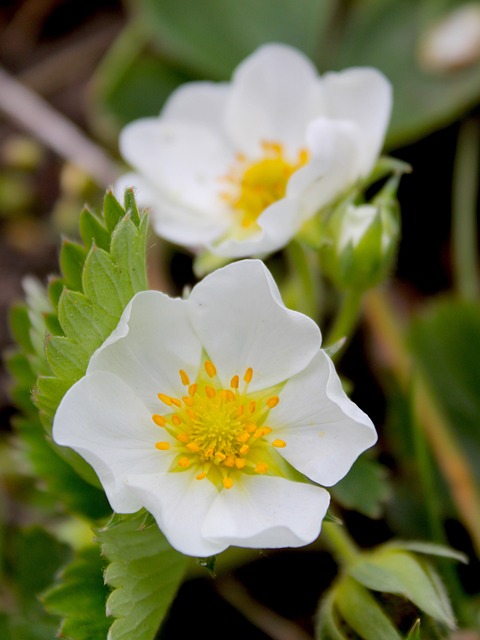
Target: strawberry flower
x=219, y=413
x=236, y=168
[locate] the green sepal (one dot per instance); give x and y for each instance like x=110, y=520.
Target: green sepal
x=72, y=259
x=130, y=205
x=55, y=289
x=414, y=633
x=144, y=573
x=65, y=357
x=20, y=327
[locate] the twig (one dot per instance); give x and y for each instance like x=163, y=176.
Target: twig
x=275, y=626
x=36, y=116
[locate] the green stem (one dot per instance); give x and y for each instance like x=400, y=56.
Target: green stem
x=347, y=317
x=304, y=270
x=464, y=205
x=340, y=543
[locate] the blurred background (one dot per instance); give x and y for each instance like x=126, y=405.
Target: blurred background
x=73, y=73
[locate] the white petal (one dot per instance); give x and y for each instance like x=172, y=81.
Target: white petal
x=324, y=430
x=333, y=168
x=102, y=419
x=199, y=102
x=179, y=224
x=185, y=161
x=180, y=504
x=363, y=96
x=241, y=321
x=152, y=342
x=267, y=512
x=278, y=224
x=270, y=98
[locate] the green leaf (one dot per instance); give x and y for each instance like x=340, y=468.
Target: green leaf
x=401, y=573
x=444, y=341
x=72, y=258
x=414, y=633
x=427, y=548
x=365, y=488
x=145, y=573
x=112, y=211
x=79, y=598
x=362, y=612
x=213, y=36
x=93, y=231
x=386, y=34
x=328, y=625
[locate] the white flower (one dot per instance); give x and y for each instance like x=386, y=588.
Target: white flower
x=217, y=414
x=237, y=168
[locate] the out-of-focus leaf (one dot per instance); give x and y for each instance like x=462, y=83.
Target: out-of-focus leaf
x=428, y=549
x=362, y=612
x=328, y=626
x=400, y=573
x=365, y=488
x=79, y=598
x=145, y=573
x=414, y=633
x=211, y=37
x=386, y=34
x=446, y=344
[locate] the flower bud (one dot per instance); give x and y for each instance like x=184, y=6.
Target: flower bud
x=361, y=242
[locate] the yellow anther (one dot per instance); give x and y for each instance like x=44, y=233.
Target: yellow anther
x=227, y=482
x=191, y=414
x=176, y=402
x=248, y=375
x=210, y=391
x=262, y=431
x=176, y=420
x=184, y=462
x=193, y=446
x=252, y=406
x=261, y=467
x=188, y=401
x=209, y=452
x=183, y=437
x=279, y=443
x=220, y=456
x=184, y=377
x=244, y=449
x=234, y=382
x=201, y=476
x=162, y=446
x=273, y=401
x=165, y=399
x=240, y=410
x=159, y=420
x=229, y=395
x=192, y=389
x=240, y=463
x=229, y=461
x=210, y=368
x=243, y=437
x=250, y=427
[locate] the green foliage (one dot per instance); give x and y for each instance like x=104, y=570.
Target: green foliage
x=444, y=341
x=365, y=488
x=79, y=598
x=33, y=557
x=145, y=573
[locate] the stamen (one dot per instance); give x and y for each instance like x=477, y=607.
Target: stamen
x=229, y=395
x=162, y=446
x=240, y=463
x=188, y=401
x=210, y=368
x=193, y=447
x=244, y=449
x=279, y=443
x=176, y=420
x=252, y=406
x=227, y=482
x=165, y=399
x=176, y=402
x=159, y=420
x=201, y=476
x=261, y=468
x=183, y=437
x=184, y=462
x=184, y=377
x=273, y=401
x=248, y=375
x=229, y=461
x=234, y=382
x=192, y=389
x=210, y=391
x=220, y=456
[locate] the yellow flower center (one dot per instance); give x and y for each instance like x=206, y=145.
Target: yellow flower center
x=219, y=432
x=257, y=185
